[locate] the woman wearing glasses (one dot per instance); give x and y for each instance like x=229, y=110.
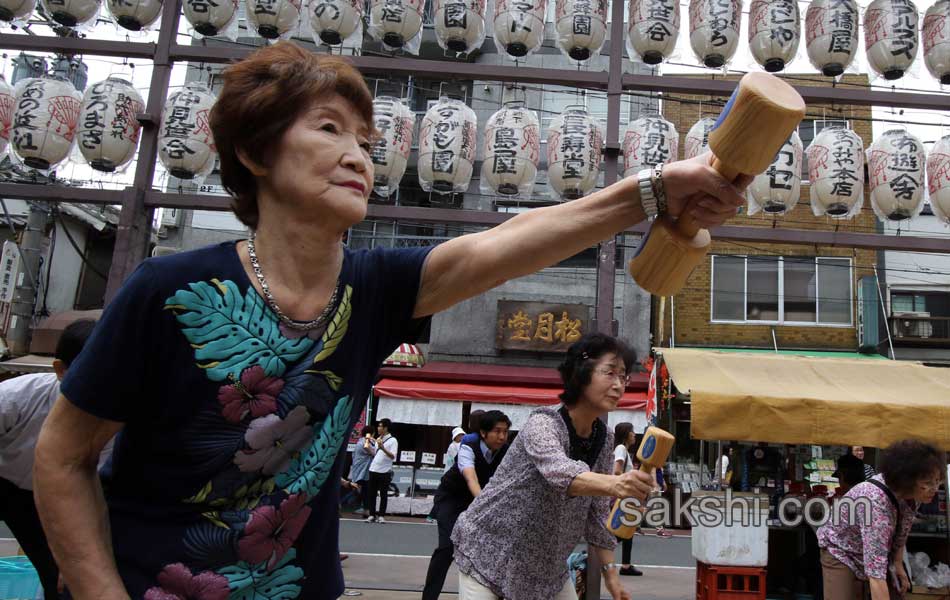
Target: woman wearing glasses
x=553, y=490
x=859, y=550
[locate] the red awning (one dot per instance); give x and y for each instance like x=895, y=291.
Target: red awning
x=415, y=389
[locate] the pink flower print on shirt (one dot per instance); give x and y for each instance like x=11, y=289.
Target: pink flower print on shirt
x=254, y=393
x=273, y=442
x=177, y=583
x=270, y=532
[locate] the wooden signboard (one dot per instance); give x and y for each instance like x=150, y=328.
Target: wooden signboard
x=540, y=326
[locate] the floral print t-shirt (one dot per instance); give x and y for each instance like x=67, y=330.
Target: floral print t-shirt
x=224, y=481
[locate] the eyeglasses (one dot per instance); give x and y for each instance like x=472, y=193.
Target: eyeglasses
x=610, y=373
x=929, y=485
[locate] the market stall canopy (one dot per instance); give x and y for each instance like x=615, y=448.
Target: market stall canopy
x=406, y=355
x=805, y=400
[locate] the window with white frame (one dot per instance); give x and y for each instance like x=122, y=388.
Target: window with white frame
x=782, y=289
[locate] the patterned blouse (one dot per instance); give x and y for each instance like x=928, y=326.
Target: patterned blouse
x=865, y=548
x=516, y=537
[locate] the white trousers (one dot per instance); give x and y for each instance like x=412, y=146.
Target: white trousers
x=470, y=589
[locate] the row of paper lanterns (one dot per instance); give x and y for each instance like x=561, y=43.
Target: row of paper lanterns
x=44, y=119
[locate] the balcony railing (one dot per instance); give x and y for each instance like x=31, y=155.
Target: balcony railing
x=920, y=330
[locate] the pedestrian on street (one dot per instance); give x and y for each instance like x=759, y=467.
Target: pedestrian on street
x=478, y=460
x=452, y=451
x=624, y=437
x=381, y=471
x=858, y=453
x=235, y=372
x=553, y=489
x=659, y=490
x=363, y=455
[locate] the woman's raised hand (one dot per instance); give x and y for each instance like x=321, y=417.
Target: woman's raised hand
x=633, y=484
x=694, y=186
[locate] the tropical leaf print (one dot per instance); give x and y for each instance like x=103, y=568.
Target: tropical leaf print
x=210, y=546
x=309, y=471
x=254, y=582
x=333, y=379
x=303, y=387
x=231, y=333
x=337, y=327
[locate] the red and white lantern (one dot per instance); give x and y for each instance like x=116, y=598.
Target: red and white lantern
x=334, y=21
x=581, y=27
x=836, y=173
x=46, y=111
x=460, y=24
x=890, y=36
x=185, y=143
x=831, y=35
x=72, y=13
x=16, y=10
x=575, y=142
x=512, y=151
x=896, y=171
x=210, y=18
x=714, y=30
x=108, y=130
x=776, y=191
x=7, y=102
x=938, y=178
x=652, y=29
x=697, y=138
x=134, y=15
x=274, y=19
x=447, y=147
x=519, y=26
x=395, y=23
x=774, y=32
x=649, y=141
x=390, y=153
x=936, y=37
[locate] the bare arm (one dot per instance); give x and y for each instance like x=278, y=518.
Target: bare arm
x=878, y=589
x=611, y=576
x=471, y=479
x=70, y=500
x=618, y=467
x=633, y=484
x=386, y=451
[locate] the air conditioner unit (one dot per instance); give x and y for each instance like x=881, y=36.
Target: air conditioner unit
x=908, y=324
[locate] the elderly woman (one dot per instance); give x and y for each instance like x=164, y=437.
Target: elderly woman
x=553, y=489
x=233, y=374
x=861, y=548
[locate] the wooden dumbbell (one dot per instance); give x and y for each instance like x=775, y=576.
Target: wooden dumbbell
x=653, y=452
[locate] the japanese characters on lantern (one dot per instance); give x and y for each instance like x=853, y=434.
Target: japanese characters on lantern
x=134, y=15
x=890, y=36
x=936, y=38
x=396, y=23
x=16, y=10
x=831, y=35
x=108, y=131
x=274, y=19
x=44, y=121
x=460, y=24
x=574, y=147
x=581, y=27
x=697, y=138
x=774, y=31
x=210, y=17
x=649, y=141
x=836, y=172
x=185, y=143
x=938, y=178
x=72, y=13
x=447, y=147
x=334, y=21
x=896, y=174
x=776, y=191
x=519, y=26
x=390, y=153
x=714, y=30
x=652, y=29
x=512, y=151
x=7, y=101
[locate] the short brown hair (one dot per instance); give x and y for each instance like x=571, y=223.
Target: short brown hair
x=263, y=96
x=904, y=463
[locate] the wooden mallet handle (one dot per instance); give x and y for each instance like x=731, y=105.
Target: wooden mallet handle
x=686, y=224
x=654, y=450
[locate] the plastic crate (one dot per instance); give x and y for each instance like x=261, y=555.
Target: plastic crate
x=715, y=582
x=18, y=578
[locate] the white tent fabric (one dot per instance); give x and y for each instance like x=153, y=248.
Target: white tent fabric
x=420, y=412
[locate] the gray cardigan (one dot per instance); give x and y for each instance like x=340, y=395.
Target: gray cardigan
x=516, y=536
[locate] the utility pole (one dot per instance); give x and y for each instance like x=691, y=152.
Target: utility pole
x=24, y=296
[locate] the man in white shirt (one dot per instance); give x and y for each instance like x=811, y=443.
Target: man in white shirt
x=381, y=471
x=25, y=402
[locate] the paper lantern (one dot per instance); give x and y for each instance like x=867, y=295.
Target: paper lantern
x=581, y=27
x=390, y=153
x=512, y=151
x=16, y=10
x=774, y=31
x=714, y=30
x=7, y=101
x=836, y=172
x=652, y=29
x=936, y=37
x=108, y=130
x=395, y=22
x=938, y=178
x=519, y=26
x=185, y=143
x=831, y=35
x=134, y=15
x=649, y=141
x=44, y=121
x=447, y=147
x=896, y=172
x=273, y=19
x=71, y=12
x=697, y=138
x=573, y=152
x=460, y=24
x=210, y=17
x=333, y=21
x=890, y=36
x=777, y=190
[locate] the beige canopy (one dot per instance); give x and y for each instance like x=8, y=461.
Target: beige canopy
x=805, y=400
